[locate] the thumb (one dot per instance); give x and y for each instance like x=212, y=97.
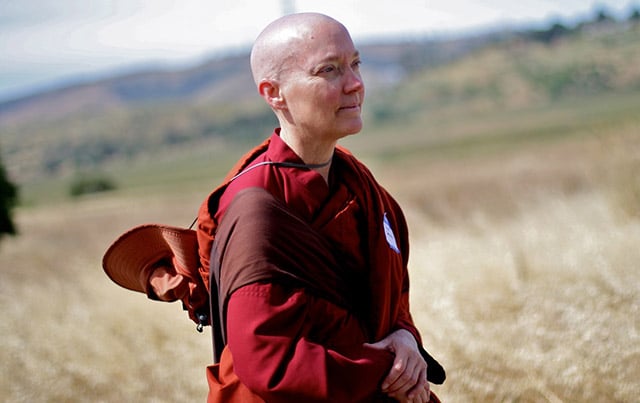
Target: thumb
x=380, y=345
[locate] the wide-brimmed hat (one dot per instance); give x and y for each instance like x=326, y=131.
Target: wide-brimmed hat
x=131, y=255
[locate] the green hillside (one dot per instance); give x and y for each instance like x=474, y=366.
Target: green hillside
x=513, y=121
x=513, y=92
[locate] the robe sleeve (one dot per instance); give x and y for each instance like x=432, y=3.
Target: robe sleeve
x=404, y=320
x=435, y=371
x=291, y=346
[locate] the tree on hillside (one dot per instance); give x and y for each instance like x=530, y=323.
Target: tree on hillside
x=603, y=16
x=556, y=31
x=635, y=16
x=8, y=200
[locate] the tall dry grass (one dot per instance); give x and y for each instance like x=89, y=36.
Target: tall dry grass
x=525, y=271
x=70, y=334
x=524, y=283
x=543, y=307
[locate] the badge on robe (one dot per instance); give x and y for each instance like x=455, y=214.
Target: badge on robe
x=388, y=233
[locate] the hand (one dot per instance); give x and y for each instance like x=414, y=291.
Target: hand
x=422, y=396
x=407, y=379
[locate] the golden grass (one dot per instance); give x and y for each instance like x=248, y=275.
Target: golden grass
x=69, y=334
x=542, y=307
x=524, y=283
x=525, y=269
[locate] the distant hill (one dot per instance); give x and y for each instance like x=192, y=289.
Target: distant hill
x=82, y=126
x=220, y=80
x=90, y=125
x=223, y=79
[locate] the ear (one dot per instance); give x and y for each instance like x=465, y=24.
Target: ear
x=270, y=91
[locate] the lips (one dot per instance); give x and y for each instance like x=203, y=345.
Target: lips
x=356, y=104
x=350, y=107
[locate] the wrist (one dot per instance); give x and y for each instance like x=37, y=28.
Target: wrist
x=407, y=337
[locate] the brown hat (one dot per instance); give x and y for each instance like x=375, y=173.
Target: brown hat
x=129, y=258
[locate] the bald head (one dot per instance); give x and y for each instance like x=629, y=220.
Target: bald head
x=280, y=42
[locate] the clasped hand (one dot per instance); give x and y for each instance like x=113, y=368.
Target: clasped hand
x=407, y=379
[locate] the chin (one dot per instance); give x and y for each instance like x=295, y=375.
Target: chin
x=347, y=133
x=353, y=128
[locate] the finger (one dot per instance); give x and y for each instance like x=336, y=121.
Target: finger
x=397, y=369
x=420, y=385
x=425, y=395
x=407, y=380
x=415, y=382
x=381, y=345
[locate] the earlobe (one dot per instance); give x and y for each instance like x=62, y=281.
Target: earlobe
x=270, y=91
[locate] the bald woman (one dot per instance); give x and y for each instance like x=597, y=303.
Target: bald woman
x=305, y=252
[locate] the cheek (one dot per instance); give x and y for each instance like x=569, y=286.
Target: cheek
x=314, y=100
x=328, y=99
x=319, y=102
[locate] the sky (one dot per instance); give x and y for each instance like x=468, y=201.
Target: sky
x=44, y=42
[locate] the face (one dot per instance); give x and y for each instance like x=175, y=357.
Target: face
x=321, y=85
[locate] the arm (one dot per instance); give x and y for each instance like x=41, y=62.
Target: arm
x=290, y=345
x=407, y=378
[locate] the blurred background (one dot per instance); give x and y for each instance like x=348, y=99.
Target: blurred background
x=508, y=131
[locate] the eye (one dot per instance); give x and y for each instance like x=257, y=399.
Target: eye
x=356, y=64
x=327, y=69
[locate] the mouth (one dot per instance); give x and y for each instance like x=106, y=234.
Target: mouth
x=355, y=107
x=352, y=104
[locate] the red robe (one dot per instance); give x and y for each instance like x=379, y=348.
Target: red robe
x=287, y=345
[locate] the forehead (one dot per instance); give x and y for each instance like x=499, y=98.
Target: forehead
x=326, y=40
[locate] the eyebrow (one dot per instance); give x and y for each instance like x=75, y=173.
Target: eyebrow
x=332, y=57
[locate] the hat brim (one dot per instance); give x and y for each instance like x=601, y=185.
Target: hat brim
x=131, y=254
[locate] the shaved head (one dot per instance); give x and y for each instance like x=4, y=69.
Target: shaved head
x=281, y=41
x=307, y=69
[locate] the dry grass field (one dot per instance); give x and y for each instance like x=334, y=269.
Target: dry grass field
x=525, y=276
x=69, y=334
x=524, y=282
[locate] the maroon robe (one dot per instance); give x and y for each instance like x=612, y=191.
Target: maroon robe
x=286, y=343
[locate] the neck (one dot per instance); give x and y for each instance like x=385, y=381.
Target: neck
x=324, y=172
x=311, y=152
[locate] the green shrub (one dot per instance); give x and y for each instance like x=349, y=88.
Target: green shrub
x=8, y=200
x=90, y=184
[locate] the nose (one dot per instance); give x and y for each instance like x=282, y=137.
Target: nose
x=353, y=81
